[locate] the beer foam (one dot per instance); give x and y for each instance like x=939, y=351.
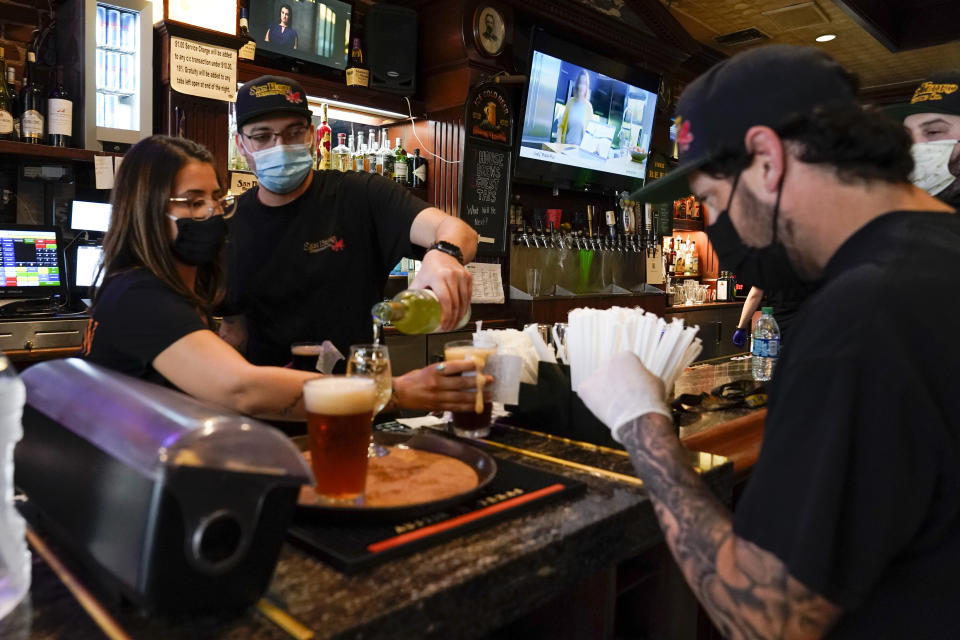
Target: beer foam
x=306, y=349
x=340, y=396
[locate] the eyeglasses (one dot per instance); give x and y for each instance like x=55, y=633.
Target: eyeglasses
x=205, y=208
x=266, y=139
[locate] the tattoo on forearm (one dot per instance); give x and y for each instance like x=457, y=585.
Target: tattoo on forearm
x=747, y=591
x=289, y=409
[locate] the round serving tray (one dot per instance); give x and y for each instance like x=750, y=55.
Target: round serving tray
x=482, y=463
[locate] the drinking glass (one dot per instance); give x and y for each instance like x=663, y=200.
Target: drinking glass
x=476, y=423
x=533, y=281
x=339, y=420
x=305, y=355
x=373, y=361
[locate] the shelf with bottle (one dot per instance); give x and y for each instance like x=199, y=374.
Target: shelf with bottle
x=378, y=107
x=688, y=214
x=26, y=151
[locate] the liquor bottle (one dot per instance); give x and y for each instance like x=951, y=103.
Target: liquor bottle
x=6, y=105
x=385, y=157
x=372, y=151
x=341, y=154
x=350, y=160
x=31, y=103
x=59, y=113
x=324, y=132
x=249, y=49
x=360, y=154
x=399, y=164
x=413, y=311
x=358, y=74
x=418, y=170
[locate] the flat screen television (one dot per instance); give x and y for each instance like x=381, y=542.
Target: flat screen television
x=32, y=262
x=588, y=120
x=316, y=32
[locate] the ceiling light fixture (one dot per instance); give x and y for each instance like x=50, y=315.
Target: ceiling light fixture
x=827, y=37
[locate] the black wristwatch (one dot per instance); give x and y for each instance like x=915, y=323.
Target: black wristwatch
x=448, y=248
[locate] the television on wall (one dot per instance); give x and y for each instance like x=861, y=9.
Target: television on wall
x=312, y=31
x=588, y=119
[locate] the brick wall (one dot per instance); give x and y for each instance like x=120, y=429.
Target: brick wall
x=18, y=20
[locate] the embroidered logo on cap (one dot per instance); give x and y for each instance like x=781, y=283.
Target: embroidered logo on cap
x=931, y=91
x=684, y=137
x=273, y=89
x=293, y=96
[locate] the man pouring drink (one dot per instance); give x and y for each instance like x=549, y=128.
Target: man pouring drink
x=310, y=251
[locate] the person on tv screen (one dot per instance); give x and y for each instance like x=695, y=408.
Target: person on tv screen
x=283, y=35
x=577, y=113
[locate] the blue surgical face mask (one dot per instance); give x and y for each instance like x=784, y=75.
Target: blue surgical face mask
x=282, y=168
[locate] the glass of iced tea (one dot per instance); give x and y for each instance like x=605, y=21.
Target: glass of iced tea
x=476, y=423
x=339, y=423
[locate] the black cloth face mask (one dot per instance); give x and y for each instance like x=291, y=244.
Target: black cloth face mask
x=199, y=241
x=768, y=268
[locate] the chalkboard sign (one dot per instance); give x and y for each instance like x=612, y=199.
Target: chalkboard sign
x=483, y=194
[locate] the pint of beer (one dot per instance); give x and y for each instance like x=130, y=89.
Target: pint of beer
x=339, y=421
x=476, y=423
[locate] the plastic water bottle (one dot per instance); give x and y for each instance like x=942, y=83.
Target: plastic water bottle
x=766, y=345
x=14, y=555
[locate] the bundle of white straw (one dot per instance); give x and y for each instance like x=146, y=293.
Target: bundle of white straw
x=593, y=335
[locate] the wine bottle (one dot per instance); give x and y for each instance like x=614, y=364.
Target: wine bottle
x=324, y=133
x=59, y=113
x=358, y=74
x=399, y=164
x=418, y=173
x=31, y=102
x=413, y=311
x=6, y=104
x=341, y=154
x=15, y=101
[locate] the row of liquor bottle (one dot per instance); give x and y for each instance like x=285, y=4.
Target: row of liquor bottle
x=26, y=115
x=368, y=155
x=680, y=256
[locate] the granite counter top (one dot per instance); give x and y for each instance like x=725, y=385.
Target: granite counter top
x=465, y=588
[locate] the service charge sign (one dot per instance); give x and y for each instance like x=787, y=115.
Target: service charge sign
x=203, y=70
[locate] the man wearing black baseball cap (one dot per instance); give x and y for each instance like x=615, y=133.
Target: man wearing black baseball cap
x=932, y=116
x=310, y=251
x=850, y=523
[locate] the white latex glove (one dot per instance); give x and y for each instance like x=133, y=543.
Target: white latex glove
x=622, y=389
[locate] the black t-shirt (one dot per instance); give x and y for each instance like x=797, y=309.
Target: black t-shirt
x=786, y=305
x=311, y=270
x=857, y=487
x=137, y=316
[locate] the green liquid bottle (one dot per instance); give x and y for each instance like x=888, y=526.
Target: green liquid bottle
x=413, y=311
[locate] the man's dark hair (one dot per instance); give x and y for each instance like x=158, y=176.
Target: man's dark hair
x=860, y=144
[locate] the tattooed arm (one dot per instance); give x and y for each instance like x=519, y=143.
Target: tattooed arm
x=748, y=592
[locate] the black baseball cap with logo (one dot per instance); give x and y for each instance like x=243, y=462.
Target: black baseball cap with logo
x=940, y=93
x=763, y=86
x=270, y=95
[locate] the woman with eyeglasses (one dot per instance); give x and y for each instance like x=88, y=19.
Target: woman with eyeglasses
x=163, y=276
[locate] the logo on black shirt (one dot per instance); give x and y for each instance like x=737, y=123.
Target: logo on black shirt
x=333, y=243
